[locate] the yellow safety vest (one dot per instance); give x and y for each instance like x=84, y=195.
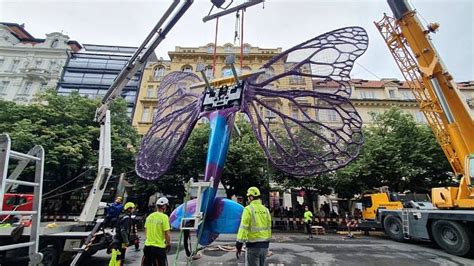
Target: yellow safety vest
x=255, y=224
x=308, y=216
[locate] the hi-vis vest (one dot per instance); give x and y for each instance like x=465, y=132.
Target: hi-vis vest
x=256, y=223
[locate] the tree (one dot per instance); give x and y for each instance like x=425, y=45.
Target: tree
x=397, y=153
x=64, y=126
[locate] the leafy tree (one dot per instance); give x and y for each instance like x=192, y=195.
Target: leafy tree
x=64, y=126
x=397, y=153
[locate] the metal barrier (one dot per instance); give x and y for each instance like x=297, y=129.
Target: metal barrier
x=329, y=223
x=36, y=154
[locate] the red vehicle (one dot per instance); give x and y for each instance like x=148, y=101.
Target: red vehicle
x=17, y=202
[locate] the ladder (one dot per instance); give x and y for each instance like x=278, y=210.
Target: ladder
x=406, y=222
x=36, y=155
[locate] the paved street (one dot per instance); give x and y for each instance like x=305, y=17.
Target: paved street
x=331, y=249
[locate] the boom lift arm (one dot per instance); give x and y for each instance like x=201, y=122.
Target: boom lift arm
x=438, y=96
x=102, y=115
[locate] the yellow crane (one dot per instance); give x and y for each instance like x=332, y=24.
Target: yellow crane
x=449, y=220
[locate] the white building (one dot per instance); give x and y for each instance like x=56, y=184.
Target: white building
x=29, y=65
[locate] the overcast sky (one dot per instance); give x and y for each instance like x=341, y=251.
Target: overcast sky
x=281, y=23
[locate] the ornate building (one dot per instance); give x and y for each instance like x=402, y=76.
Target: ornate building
x=376, y=96
x=29, y=65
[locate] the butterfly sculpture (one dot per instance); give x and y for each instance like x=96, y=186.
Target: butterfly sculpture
x=295, y=141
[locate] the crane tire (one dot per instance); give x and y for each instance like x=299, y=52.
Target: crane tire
x=393, y=227
x=453, y=237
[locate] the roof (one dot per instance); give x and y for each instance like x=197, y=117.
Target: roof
x=25, y=37
x=18, y=30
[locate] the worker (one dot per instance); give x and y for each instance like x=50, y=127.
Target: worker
x=122, y=235
x=112, y=212
x=255, y=230
x=308, y=220
x=157, y=232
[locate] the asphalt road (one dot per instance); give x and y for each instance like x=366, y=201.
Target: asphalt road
x=330, y=249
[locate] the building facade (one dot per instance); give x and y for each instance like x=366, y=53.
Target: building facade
x=29, y=65
x=92, y=70
x=371, y=97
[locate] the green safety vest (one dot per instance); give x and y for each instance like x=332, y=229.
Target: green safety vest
x=255, y=224
x=308, y=216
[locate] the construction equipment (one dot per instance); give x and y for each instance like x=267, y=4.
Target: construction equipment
x=450, y=218
x=86, y=236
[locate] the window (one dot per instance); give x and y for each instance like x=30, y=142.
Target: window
x=38, y=64
x=159, y=72
x=226, y=72
x=294, y=113
x=208, y=71
x=1, y=63
x=155, y=109
x=210, y=49
x=44, y=86
x=246, y=49
x=305, y=114
x=406, y=94
x=145, y=114
x=54, y=44
x=14, y=66
x=27, y=88
x=187, y=68
x=149, y=92
x=367, y=95
x=51, y=65
x=332, y=115
x=228, y=49
x=391, y=93
x=4, y=86
x=419, y=117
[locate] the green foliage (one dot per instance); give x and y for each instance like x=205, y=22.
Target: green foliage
x=64, y=126
x=245, y=163
x=397, y=153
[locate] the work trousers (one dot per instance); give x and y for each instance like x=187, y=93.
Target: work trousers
x=154, y=256
x=308, y=229
x=255, y=256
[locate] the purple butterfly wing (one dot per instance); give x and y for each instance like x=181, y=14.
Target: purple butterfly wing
x=177, y=112
x=305, y=132
x=329, y=56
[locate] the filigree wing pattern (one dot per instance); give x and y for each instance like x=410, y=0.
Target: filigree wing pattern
x=328, y=56
x=321, y=133
x=176, y=114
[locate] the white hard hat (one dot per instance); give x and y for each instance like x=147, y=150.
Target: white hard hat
x=162, y=201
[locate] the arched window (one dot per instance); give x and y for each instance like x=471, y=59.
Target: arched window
x=228, y=48
x=246, y=69
x=159, y=72
x=187, y=68
x=226, y=72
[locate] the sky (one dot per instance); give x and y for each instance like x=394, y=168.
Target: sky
x=277, y=23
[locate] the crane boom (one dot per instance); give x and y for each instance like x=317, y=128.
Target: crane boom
x=139, y=58
x=439, y=98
